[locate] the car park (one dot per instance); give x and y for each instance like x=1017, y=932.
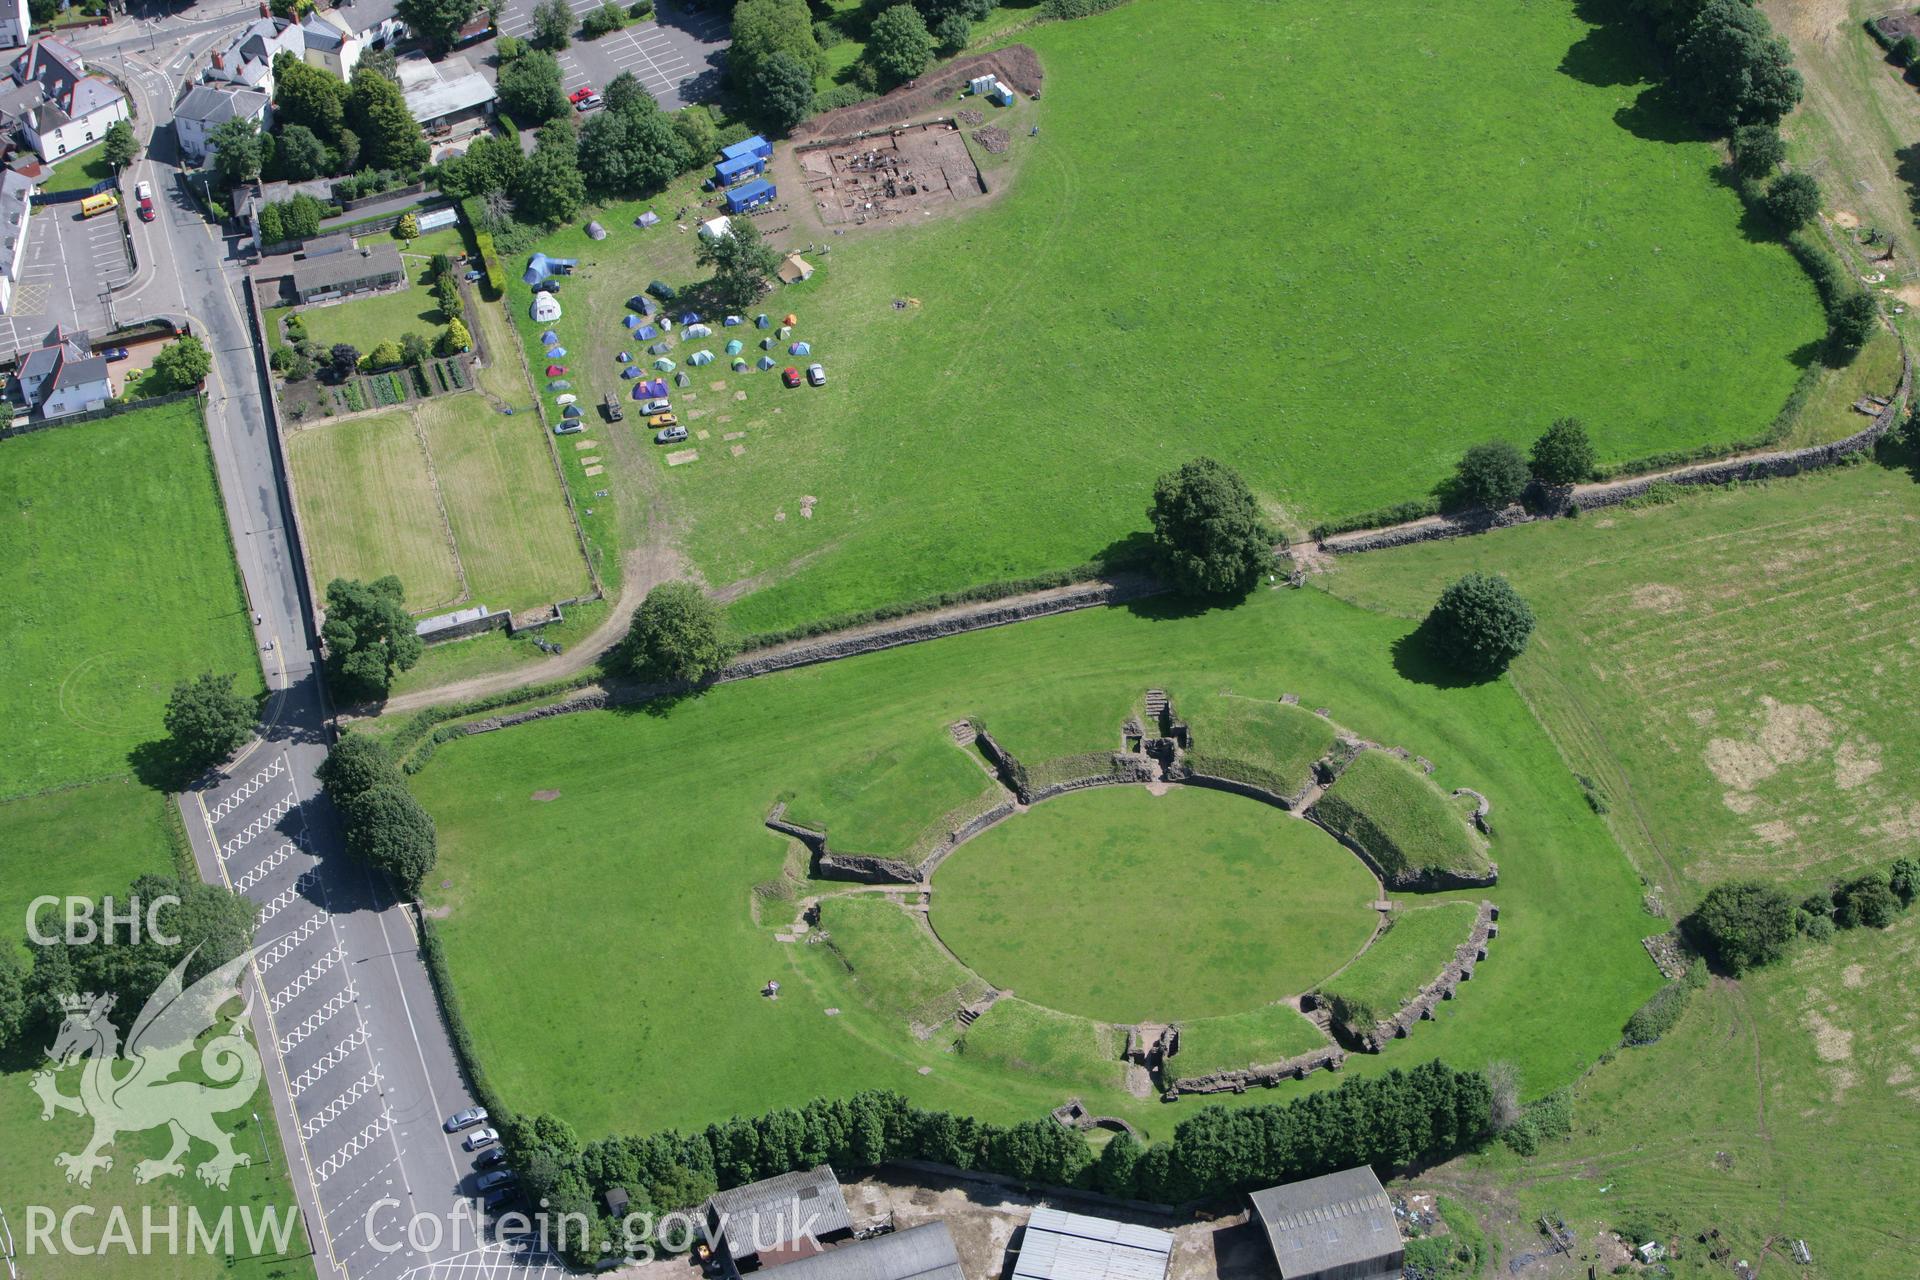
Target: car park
x=670, y=435
x=657, y=405
x=662, y=420
x=466, y=1119
x=481, y=1138
x=790, y=376
x=588, y=103
x=581, y=94
x=495, y=1178
x=816, y=375
x=490, y=1157
x=500, y=1198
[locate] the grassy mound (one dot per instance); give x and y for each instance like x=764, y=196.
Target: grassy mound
x=1266, y=744
x=892, y=964
x=886, y=798
x=1030, y=1040
x=1407, y=825
x=1416, y=946
x=1258, y=1037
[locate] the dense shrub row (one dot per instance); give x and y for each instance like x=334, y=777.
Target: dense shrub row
x=1659, y=1014
x=1079, y=8
x=1745, y=924
x=1424, y=1114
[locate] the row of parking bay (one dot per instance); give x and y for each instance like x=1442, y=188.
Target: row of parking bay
x=330, y=1061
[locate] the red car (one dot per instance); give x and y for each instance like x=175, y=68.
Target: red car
x=790, y=376
x=581, y=94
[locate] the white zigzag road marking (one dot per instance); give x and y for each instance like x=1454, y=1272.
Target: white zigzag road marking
x=261, y=825
x=354, y=1146
x=317, y=1019
x=231, y=801
x=339, y=1106
x=328, y=1061
x=290, y=942
x=261, y=871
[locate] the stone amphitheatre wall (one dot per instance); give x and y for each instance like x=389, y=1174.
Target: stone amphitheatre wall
x=1295, y=1068
x=1458, y=970
x=871, y=868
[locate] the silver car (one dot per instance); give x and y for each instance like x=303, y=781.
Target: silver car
x=670, y=435
x=652, y=407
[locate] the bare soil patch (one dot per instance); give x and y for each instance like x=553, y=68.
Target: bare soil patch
x=993, y=138
x=545, y=796
x=925, y=167
x=1016, y=64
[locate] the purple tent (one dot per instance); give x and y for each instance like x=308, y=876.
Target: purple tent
x=549, y=337
x=640, y=392
x=656, y=386
x=632, y=371
x=691, y=317
x=647, y=219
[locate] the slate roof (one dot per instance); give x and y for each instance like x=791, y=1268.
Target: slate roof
x=770, y=1214
x=66, y=361
x=924, y=1252
x=216, y=105
x=341, y=268
x=1321, y=1225
x=1074, y=1246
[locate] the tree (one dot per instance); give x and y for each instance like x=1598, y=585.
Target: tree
x=414, y=349
x=1113, y=1172
x=389, y=135
x=355, y=765
x=1854, y=320
x=308, y=96
x=1564, y=455
x=1732, y=69
x=762, y=28
x=1867, y=902
x=385, y=355
x=550, y=189
x=342, y=360
x=387, y=828
x=1792, y=200
x=446, y=291
x=608, y=18
x=455, y=338
x=529, y=89
x=300, y=217
x=936, y=10
x=952, y=32
x=783, y=88
x=13, y=998
x=625, y=90
x=552, y=25
x=1491, y=475
x=490, y=164
x=742, y=264
x=676, y=634
x=368, y=635
x=301, y=155
x=118, y=145
x=1480, y=624
x=183, y=363
x=1757, y=150
x=236, y=151
x=1503, y=1086
x=408, y=228
x=1208, y=537
x=207, y=720
x=1904, y=879
x=632, y=151
x=436, y=21
x=1906, y=49
x=899, y=47
x=1746, y=923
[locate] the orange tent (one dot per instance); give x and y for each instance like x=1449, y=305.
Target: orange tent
x=791, y=320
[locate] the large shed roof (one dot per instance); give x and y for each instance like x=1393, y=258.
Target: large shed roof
x=924, y=1252
x=1340, y=1223
x=1073, y=1246
x=768, y=1215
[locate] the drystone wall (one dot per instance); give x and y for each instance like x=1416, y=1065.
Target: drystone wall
x=1459, y=969
x=870, y=868
x=1182, y=772
x=1295, y=1068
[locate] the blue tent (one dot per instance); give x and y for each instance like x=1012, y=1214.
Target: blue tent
x=561, y=385
x=642, y=303
x=632, y=322
x=739, y=364
x=571, y=411
x=754, y=146
x=541, y=267
x=731, y=321
x=549, y=337
x=658, y=349
x=647, y=219
x=633, y=371
x=800, y=349
x=624, y=358
x=556, y=353
x=751, y=195
x=646, y=333
x=766, y=344
x=763, y=321
x=702, y=356
x=690, y=317
x=764, y=362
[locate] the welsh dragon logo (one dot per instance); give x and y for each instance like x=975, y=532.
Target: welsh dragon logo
x=134, y=1091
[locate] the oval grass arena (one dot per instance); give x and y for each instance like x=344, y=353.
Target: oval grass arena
x=1124, y=906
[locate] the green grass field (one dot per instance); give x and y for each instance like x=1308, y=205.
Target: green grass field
x=1024, y=1041
x=119, y=580
x=1732, y=671
x=86, y=169
x=666, y=900
x=1257, y=1037
x=1502, y=217
x=1128, y=907
x=1255, y=740
x=1394, y=812
x=106, y=835
x=893, y=963
x=1415, y=947
x=365, y=323
x=878, y=801
x=459, y=501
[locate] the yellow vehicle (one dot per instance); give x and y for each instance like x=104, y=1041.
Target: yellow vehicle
x=663, y=420
x=99, y=204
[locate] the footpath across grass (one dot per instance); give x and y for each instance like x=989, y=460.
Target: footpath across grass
x=119, y=581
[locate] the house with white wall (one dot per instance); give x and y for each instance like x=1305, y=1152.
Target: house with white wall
x=58, y=106
x=64, y=376
x=208, y=106
x=15, y=25
x=16, y=193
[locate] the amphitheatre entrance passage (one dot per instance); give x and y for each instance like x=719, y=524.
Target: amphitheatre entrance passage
x=1128, y=907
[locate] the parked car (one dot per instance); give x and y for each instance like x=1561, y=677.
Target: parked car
x=501, y=1197
x=481, y=1138
x=572, y=426
x=474, y=276
x=550, y=285
x=115, y=353
x=663, y=291
x=662, y=420
x=581, y=94
x=790, y=376
x=490, y=1157
x=816, y=375
x=657, y=406
x=466, y=1119
x=670, y=435
x=589, y=102
x=495, y=1178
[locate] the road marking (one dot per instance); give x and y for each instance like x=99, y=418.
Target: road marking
x=261, y=871
x=261, y=825
x=233, y=798
x=326, y=1062
x=312, y=974
x=289, y=943
x=287, y=897
x=314, y=1021
x=355, y=1145
x=359, y=1089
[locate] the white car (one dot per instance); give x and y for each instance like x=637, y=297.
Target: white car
x=816, y=375
x=481, y=1138
x=652, y=407
x=571, y=427
x=143, y=191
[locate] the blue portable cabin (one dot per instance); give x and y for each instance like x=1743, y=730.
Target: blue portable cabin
x=751, y=196
x=756, y=146
x=728, y=172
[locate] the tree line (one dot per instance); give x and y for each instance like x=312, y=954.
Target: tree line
x=1426, y=1113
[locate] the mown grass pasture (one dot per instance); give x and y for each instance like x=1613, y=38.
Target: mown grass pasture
x=119, y=581
x=1463, y=244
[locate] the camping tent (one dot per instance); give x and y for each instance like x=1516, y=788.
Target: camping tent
x=800, y=349
x=571, y=411
x=681, y=379
x=739, y=364
x=702, y=356
x=643, y=304
x=664, y=365
x=556, y=353
x=555, y=370
x=568, y=398
x=625, y=357
x=632, y=322
x=763, y=321
x=714, y=228
x=541, y=267
x=764, y=362
x=646, y=333
x=656, y=386
x=633, y=371
x=734, y=347
x=640, y=392
x=559, y=384
x=786, y=330
x=791, y=319
x=794, y=269
x=690, y=317
x=766, y=344
x=731, y=321
x=549, y=337
x=596, y=232
x=697, y=331
x=647, y=219
x=545, y=308
x=659, y=349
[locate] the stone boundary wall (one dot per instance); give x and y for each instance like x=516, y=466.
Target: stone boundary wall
x=870, y=868
x=1762, y=466
x=1188, y=776
x=1298, y=1067
x=1427, y=880
x=1125, y=769
x=1459, y=969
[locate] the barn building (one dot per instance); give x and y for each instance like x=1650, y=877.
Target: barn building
x=1073, y=1246
x=1337, y=1227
